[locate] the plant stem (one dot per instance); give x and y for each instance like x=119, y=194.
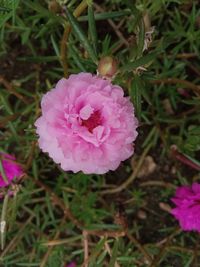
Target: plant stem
x=195, y=88
x=67, y=28
x=131, y=177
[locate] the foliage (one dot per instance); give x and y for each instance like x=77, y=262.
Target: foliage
x=40, y=43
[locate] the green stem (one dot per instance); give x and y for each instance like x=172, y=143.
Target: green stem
x=63, y=47
x=131, y=177
x=3, y=174
x=3, y=221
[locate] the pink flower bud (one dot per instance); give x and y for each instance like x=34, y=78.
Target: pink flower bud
x=107, y=67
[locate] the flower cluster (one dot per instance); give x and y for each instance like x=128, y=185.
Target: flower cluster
x=87, y=124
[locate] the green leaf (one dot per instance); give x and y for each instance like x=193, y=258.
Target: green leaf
x=6, y=104
x=114, y=254
x=76, y=58
x=141, y=36
x=139, y=62
x=106, y=15
x=135, y=93
x=92, y=27
x=97, y=250
x=55, y=45
x=152, y=135
x=145, y=93
x=192, y=159
x=40, y=10
x=39, y=59
x=4, y=9
x=136, y=14
x=13, y=215
x=3, y=221
x=2, y=172
x=81, y=35
x=8, y=10
x=192, y=142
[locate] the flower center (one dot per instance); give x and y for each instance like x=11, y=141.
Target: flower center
x=93, y=121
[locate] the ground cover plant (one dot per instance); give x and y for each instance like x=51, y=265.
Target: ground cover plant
x=144, y=212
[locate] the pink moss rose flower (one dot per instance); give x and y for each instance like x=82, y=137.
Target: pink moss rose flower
x=187, y=210
x=87, y=124
x=11, y=169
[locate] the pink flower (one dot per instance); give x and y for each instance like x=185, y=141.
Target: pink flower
x=87, y=124
x=11, y=169
x=71, y=264
x=187, y=211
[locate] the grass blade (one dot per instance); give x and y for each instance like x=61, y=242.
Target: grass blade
x=141, y=35
x=92, y=27
x=106, y=15
x=5, y=9
x=2, y=172
x=3, y=221
x=114, y=254
x=81, y=35
x=97, y=250
x=135, y=92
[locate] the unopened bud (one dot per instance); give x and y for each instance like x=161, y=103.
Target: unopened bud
x=147, y=21
x=54, y=7
x=107, y=67
x=164, y=206
x=142, y=215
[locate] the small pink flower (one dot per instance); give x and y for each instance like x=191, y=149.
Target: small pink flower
x=87, y=124
x=11, y=168
x=71, y=264
x=187, y=210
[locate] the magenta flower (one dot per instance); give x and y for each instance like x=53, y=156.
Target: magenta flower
x=11, y=170
x=187, y=211
x=87, y=124
x=71, y=264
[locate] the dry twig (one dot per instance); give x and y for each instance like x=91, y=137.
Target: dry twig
x=114, y=26
x=195, y=88
x=12, y=90
x=46, y=256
